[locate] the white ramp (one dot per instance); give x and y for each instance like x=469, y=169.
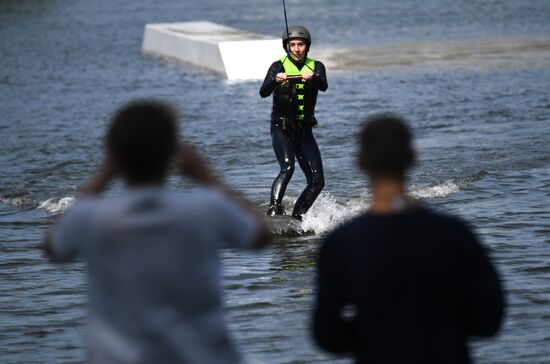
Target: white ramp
x=235, y=54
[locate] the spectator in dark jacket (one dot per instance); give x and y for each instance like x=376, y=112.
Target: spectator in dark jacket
x=402, y=283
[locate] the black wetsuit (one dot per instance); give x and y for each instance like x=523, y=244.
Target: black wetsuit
x=293, y=138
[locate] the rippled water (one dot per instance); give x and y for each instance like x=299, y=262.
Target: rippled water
x=481, y=122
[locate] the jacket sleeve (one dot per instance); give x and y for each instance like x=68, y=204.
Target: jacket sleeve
x=485, y=301
x=320, y=80
x=269, y=82
x=331, y=331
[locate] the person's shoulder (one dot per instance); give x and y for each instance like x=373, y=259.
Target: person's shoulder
x=348, y=231
x=277, y=63
x=84, y=206
x=209, y=193
x=344, y=239
x=439, y=215
x=318, y=63
x=206, y=199
x=203, y=196
x=76, y=226
x=444, y=221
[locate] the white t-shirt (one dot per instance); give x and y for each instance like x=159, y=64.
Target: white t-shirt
x=153, y=273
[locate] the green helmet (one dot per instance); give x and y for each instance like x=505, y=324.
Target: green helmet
x=297, y=31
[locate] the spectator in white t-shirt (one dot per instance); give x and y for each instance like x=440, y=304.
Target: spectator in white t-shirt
x=151, y=253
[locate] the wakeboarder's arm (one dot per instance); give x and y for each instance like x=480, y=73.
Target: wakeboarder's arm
x=272, y=79
x=194, y=166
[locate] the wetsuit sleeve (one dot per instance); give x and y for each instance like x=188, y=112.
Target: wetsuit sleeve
x=269, y=82
x=485, y=301
x=331, y=330
x=320, y=80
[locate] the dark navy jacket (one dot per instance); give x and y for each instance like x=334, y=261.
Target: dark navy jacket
x=416, y=284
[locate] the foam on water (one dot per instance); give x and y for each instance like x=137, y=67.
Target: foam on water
x=438, y=191
x=445, y=188
x=56, y=205
x=328, y=212
x=17, y=201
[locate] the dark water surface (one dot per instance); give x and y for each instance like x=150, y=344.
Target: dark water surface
x=482, y=132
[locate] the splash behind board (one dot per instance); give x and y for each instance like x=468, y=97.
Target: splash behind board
x=283, y=224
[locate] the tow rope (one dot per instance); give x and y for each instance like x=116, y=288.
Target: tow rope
x=287, y=49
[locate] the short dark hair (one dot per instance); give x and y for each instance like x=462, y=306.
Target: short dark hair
x=386, y=149
x=142, y=139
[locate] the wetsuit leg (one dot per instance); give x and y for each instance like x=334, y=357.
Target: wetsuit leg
x=284, y=152
x=309, y=159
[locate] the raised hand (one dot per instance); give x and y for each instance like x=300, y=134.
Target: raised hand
x=193, y=165
x=105, y=174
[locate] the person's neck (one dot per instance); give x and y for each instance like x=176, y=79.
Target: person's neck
x=389, y=196
x=298, y=62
